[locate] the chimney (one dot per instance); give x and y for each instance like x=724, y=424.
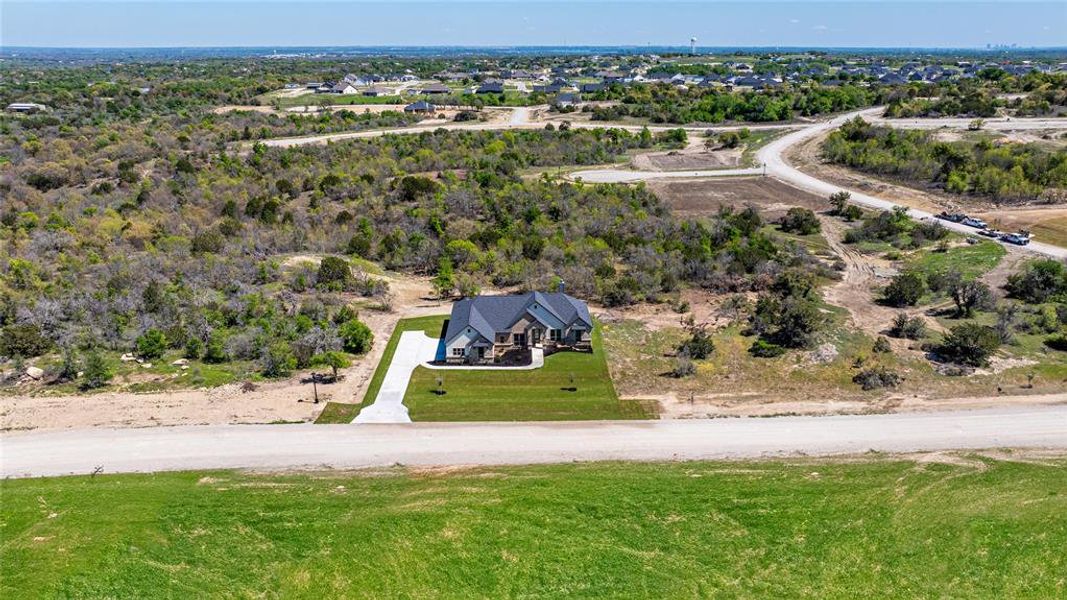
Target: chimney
x=562, y=285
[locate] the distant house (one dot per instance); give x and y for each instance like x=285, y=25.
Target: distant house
x=490, y=87
x=589, y=88
x=420, y=107
x=436, y=88
x=26, y=107
x=567, y=99
x=341, y=88
x=376, y=91
x=485, y=328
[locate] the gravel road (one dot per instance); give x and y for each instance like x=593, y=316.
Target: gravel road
x=352, y=446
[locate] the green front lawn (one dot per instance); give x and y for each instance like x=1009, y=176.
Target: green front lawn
x=571, y=386
x=887, y=528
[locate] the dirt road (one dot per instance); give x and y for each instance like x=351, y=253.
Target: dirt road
x=353, y=446
x=772, y=157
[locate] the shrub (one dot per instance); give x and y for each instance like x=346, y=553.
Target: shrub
x=1057, y=342
x=215, y=350
x=683, y=367
x=877, y=377
x=1039, y=281
x=913, y=328
x=882, y=346
x=208, y=242
x=277, y=360
x=969, y=344
x=763, y=349
x=699, y=346
x=96, y=372
x=839, y=202
x=356, y=337
x=68, y=366
x=905, y=290
x=151, y=344
x=334, y=273
x=194, y=346
x=968, y=295
x=23, y=340
x=801, y=221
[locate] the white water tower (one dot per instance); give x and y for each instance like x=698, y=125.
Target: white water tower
x=692, y=46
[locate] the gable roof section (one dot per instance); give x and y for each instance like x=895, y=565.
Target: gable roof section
x=489, y=315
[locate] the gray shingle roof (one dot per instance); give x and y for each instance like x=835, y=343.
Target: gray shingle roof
x=491, y=314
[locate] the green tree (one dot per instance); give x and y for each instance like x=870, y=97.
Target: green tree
x=969, y=344
x=801, y=221
x=277, y=359
x=96, y=372
x=444, y=282
x=215, y=350
x=333, y=359
x=334, y=273
x=905, y=289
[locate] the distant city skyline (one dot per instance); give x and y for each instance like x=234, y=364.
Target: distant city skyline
x=796, y=23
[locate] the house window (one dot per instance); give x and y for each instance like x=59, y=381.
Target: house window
x=520, y=339
x=457, y=352
x=555, y=334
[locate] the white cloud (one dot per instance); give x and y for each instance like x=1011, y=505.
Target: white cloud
x=820, y=27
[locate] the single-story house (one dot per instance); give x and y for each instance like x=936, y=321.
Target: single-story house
x=342, y=88
x=490, y=87
x=436, y=88
x=26, y=107
x=376, y=91
x=421, y=106
x=483, y=329
x=567, y=99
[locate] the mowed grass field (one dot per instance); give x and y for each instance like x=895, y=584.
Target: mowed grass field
x=873, y=528
x=571, y=386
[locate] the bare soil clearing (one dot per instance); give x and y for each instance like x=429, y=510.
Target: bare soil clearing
x=696, y=197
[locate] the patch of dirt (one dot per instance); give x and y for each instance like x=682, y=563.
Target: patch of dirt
x=703, y=197
x=678, y=405
x=694, y=157
x=856, y=290
x=703, y=305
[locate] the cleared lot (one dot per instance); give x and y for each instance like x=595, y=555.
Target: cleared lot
x=694, y=197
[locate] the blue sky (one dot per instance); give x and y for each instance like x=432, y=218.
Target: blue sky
x=855, y=23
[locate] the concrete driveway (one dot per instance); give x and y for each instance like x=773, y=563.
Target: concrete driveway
x=413, y=349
